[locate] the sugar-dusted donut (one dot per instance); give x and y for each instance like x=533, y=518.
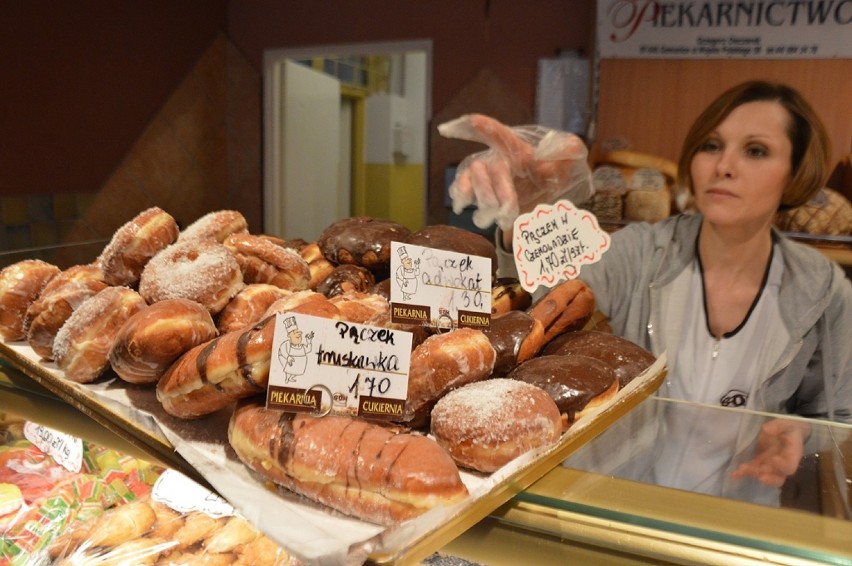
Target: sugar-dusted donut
x=578, y=384
x=443, y=362
x=135, y=243
x=263, y=261
x=362, y=240
x=626, y=358
x=200, y=270
x=81, y=348
x=57, y=301
x=248, y=307
x=487, y=424
x=346, y=278
x=20, y=285
x=152, y=339
x=216, y=226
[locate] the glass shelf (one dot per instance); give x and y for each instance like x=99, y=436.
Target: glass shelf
x=609, y=494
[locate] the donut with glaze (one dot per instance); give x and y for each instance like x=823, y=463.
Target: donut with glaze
x=59, y=299
x=578, y=384
x=627, y=359
x=346, y=278
x=82, y=345
x=362, y=240
x=516, y=337
x=507, y=294
x=487, y=424
x=362, y=308
x=262, y=261
x=149, y=341
x=442, y=363
x=318, y=265
x=306, y=302
x=566, y=307
x=135, y=243
x=360, y=469
x=248, y=306
x=455, y=239
x=200, y=270
x=20, y=285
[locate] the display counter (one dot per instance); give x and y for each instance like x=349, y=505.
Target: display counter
x=602, y=504
x=605, y=503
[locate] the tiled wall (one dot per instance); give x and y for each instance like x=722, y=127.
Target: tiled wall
x=200, y=153
x=39, y=220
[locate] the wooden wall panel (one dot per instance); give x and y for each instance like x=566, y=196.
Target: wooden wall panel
x=651, y=103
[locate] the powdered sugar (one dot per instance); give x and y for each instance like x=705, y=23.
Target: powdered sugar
x=199, y=270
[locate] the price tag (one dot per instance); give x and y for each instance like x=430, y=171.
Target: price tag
x=553, y=242
x=67, y=450
x=183, y=495
x=439, y=288
x=320, y=365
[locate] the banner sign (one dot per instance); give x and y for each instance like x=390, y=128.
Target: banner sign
x=725, y=29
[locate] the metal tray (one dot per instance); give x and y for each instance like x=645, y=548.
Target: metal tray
x=310, y=531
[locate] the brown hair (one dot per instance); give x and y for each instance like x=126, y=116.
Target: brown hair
x=811, y=155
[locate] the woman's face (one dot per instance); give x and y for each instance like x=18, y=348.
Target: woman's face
x=742, y=169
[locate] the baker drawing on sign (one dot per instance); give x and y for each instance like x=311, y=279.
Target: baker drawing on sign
x=293, y=353
x=407, y=273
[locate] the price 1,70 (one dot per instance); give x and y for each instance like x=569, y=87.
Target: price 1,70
x=373, y=386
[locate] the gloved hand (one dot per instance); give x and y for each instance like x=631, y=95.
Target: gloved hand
x=524, y=166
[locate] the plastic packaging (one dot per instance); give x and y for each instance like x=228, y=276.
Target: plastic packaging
x=111, y=509
x=524, y=166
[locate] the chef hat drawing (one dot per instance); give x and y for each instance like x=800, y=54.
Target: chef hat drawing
x=290, y=323
x=403, y=253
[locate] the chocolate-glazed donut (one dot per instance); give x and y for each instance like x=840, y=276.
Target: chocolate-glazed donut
x=576, y=383
x=516, y=337
x=453, y=239
x=346, y=278
x=363, y=241
x=627, y=359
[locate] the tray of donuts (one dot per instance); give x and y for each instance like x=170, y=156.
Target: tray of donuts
x=167, y=336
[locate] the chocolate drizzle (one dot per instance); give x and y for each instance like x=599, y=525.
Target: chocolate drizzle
x=201, y=362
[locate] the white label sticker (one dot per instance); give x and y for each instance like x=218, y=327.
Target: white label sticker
x=439, y=288
x=320, y=365
x=553, y=242
x=184, y=495
x=67, y=450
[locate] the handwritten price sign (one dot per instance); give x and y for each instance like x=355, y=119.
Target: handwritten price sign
x=553, y=242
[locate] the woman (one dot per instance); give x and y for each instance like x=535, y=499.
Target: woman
x=747, y=317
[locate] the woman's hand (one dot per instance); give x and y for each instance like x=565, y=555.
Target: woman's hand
x=524, y=166
x=780, y=447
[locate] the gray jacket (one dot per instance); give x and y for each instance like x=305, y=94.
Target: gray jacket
x=814, y=376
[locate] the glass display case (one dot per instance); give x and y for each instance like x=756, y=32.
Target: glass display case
x=607, y=503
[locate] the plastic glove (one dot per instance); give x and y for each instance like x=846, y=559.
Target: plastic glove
x=780, y=447
x=524, y=166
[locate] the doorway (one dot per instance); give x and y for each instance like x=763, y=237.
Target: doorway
x=345, y=134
